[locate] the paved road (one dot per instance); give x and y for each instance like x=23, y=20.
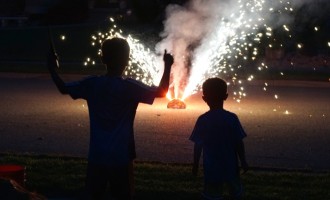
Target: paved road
x=36, y=118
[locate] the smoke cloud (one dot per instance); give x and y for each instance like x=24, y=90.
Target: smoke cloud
x=204, y=35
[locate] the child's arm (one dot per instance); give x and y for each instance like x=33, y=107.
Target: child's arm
x=165, y=81
x=241, y=156
x=197, y=154
x=52, y=63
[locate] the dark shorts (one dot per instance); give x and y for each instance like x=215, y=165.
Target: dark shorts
x=119, y=179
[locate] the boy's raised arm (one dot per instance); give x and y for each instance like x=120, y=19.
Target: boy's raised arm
x=165, y=81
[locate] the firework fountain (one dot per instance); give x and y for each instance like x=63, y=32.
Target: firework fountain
x=209, y=39
x=214, y=38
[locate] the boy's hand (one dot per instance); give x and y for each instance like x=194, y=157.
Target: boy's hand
x=168, y=59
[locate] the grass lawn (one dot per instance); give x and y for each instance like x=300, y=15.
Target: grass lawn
x=55, y=176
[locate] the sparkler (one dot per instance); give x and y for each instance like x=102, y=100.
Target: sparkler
x=52, y=45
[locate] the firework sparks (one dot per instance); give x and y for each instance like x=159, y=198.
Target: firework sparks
x=287, y=112
x=221, y=37
x=208, y=39
x=144, y=65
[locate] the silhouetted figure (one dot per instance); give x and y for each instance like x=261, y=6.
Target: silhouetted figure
x=112, y=103
x=218, y=134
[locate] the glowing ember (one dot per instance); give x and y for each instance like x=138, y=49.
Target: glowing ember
x=176, y=104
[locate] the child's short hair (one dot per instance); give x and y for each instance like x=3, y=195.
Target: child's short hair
x=115, y=50
x=215, y=88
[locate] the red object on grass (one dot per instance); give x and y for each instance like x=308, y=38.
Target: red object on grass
x=13, y=172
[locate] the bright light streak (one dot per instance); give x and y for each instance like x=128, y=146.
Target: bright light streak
x=286, y=28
